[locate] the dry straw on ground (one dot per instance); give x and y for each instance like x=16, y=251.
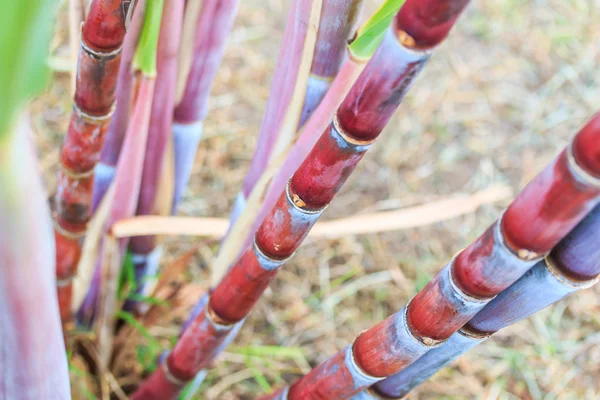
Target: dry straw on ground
x=495, y=104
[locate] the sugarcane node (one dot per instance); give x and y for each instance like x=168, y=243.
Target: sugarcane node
x=73, y=174
x=353, y=363
x=375, y=394
x=266, y=261
x=99, y=55
x=470, y=332
x=216, y=320
x=427, y=341
x=521, y=254
x=322, y=78
x=458, y=290
x=296, y=201
x=95, y=119
x=64, y=282
x=405, y=39
x=566, y=279
x=170, y=376
x=579, y=172
x=357, y=145
x=65, y=232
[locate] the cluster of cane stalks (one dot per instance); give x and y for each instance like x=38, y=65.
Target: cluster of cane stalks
x=143, y=80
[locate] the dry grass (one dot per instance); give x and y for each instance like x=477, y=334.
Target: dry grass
x=496, y=103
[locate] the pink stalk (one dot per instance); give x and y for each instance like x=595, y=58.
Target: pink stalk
x=159, y=132
x=127, y=183
x=32, y=350
x=284, y=78
x=336, y=25
x=105, y=169
x=214, y=24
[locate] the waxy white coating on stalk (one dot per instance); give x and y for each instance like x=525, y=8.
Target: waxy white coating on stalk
x=32, y=352
x=148, y=279
x=359, y=377
x=580, y=174
x=185, y=136
x=315, y=91
x=428, y=364
x=540, y=287
x=267, y=263
x=103, y=177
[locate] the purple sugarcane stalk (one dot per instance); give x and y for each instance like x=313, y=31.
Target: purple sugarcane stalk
x=282, y=87
x=146, y=255
x=214, y=24
x=338, y=19
x=573, y=265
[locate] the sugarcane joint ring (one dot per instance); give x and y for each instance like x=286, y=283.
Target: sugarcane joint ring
x=375, y=395
x=321, y=78
x=578, y=172
x=563, y=279
x=73, y=174
x=472, y=333
x=522, y=254
x=461, y=293
x=356, y=371
x=98, y=54
x=95, y=119
x=170, y=377
x=216, y=321
x=267, y=262
x=65, y=232
x=345, y=140
x=300, y=205
x=424, y=340
x=64, y=282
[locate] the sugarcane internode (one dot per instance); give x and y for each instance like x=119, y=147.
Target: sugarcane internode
x=574, y=264
x=551, y=206
x=98, y=65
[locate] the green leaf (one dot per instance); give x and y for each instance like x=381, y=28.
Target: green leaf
x=145, y=54
x=127, y=283
x=370, y=35
x=25, y=33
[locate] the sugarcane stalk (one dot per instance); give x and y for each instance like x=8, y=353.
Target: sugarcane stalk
x=573, y=265
x=109, y=156
x=338, y=18
x=542, y=214
x=99, y=58
x=32, y=351
x=381, y=87
x=282, y=87
x=130, y=167
x=212, y=29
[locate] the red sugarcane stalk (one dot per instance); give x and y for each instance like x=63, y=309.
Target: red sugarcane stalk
x=336, y=25
x=214, y=24
x=573, y=265
x=543, y=213
x=109, y=156
x=359, y=121
x=99, y=58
